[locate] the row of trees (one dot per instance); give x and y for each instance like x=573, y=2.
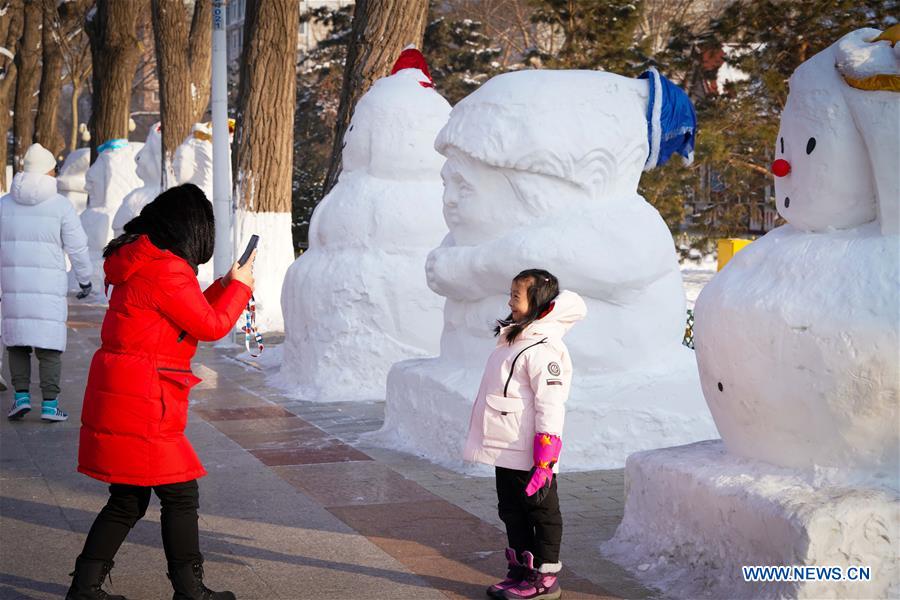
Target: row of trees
x=43, y=46
x=469, y=41
x=466, y=42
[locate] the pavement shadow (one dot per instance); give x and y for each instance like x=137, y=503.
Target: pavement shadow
x=11, y=586
x=227, y=551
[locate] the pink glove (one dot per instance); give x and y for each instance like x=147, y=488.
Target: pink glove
x=546, y=452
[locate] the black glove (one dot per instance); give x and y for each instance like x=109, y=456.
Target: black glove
x=85, y=290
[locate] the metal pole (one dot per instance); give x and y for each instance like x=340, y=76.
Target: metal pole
x=222, y=206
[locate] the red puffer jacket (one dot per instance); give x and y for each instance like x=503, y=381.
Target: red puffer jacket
x=136, y=401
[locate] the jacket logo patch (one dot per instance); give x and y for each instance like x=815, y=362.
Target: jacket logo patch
x=554, y=382
x=554, y=369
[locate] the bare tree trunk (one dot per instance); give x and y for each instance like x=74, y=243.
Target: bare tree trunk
x=201, y=57
x=173, y=72
x=76, y=54
x=264, y=143
x=114, y=51
x=46, y=129
x=381, y=29
x=73, y=135
x=27, y=59
x=10, y=31
x=264, y=134
x=183, y=60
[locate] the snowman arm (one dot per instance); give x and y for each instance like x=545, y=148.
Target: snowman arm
x=595, y=259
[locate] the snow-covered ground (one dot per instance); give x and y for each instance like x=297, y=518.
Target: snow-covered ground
x=695, y=275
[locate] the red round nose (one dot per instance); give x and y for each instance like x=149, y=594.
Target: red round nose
x=781, y=167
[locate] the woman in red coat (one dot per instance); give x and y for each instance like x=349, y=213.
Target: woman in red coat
x=136, y=401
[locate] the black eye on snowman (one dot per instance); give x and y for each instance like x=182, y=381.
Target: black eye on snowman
x=782, y=145
x=810, y=145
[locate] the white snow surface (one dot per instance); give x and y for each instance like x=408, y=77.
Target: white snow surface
x=71, y=180
x=801, y=329
x=107, y=182
x=356, y=301
x=694, y=515
x=542, y=171
x=275, y=254
x=193, y=163
x=148, y=162
x=695, y=275
x=858, y=57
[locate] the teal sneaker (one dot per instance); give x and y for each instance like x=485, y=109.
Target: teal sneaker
x=21, y=406
x=50, y=411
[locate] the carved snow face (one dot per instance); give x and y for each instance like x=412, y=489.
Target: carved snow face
x=193, y=163
x=822, y=175
x=477, y=200
x=482, y=202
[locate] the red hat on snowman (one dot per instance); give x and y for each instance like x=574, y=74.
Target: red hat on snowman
x=412, y=58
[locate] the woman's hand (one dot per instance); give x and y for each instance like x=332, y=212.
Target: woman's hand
x=243, y=274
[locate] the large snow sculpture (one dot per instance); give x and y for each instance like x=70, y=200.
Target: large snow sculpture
x=149, y=168
x=542, y=171
x=193, y=163
x=797, y=342
x=71, y=180
x=357, y=301
x=108, y=181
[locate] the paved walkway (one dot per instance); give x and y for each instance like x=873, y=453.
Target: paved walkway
x=295, y=505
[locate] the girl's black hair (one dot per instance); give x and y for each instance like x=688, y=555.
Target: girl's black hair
x=542, y=291
x=179, y=220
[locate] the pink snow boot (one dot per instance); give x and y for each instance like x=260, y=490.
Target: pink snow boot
x=539, y=584
x=514, y=575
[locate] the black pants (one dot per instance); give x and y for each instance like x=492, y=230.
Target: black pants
x=536, y=527
x=128, y=503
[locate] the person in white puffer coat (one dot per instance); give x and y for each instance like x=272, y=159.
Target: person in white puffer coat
x=37, y=226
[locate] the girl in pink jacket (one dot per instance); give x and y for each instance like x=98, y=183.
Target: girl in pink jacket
x=517, y=424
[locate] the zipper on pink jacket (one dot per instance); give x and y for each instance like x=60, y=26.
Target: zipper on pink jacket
x=512, y=367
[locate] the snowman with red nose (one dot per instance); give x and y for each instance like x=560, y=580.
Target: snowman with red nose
x=797, y=339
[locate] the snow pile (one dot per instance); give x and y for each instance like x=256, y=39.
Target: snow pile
x=357, y=301
x=108, y=181
x=542, y=171
x=797, y=342
x=71, y=179
x=695, y=274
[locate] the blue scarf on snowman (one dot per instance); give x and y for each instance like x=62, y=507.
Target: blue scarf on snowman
x=671, y=121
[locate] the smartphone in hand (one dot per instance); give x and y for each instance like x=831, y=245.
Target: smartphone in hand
x=251, y=246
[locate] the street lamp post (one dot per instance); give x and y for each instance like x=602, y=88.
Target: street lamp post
x=222, y=204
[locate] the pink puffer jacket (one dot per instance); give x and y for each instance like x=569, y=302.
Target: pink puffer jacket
x=524, y=389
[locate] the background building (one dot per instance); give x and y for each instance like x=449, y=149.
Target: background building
x=308, y=35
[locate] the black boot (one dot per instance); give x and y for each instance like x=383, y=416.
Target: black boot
x=89, y=575
x=187, y=581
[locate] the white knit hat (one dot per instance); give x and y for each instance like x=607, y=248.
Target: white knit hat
x=39, y=160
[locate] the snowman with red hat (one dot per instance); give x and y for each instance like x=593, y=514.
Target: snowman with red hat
x=357, y=300
x=797, y=342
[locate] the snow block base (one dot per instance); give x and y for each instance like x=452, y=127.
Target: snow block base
x=694, y=515
x=429, y=404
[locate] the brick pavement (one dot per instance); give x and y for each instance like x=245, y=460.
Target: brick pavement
x=296, y=504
